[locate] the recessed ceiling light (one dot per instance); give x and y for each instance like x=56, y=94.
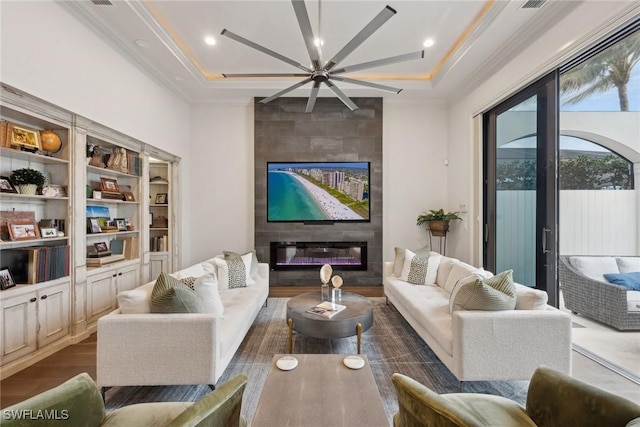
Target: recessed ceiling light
x=210, y=40
x=428, y=43
x=318, y=42
x=142, y=43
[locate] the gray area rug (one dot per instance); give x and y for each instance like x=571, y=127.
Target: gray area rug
x=390, y=344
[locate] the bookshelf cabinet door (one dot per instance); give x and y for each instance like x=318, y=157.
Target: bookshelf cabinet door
x=101, y=294
x=159, y=262
x=128, y=278
x=53, y=313
x=18, y=326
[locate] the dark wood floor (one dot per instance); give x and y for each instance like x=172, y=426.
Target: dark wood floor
x=81, y=357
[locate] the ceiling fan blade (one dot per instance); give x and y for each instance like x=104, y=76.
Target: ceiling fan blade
x=263, y=49
x=312, y=97
x=369, y=84
x=380, y=62
x=359, y=38
x=263, y=75
x=307, y=32
x=344, y=98
x=287, y=90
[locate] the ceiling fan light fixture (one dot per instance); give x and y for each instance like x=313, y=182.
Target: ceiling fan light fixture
x=321, y=72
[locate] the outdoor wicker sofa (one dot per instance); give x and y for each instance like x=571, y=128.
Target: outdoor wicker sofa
x=600, y=300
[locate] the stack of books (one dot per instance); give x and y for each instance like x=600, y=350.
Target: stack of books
x=42, y=263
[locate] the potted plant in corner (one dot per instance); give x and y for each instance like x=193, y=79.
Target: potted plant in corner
x=27, y=180
x=437, y=221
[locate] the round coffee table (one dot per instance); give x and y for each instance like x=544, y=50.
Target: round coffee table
x=353, y=320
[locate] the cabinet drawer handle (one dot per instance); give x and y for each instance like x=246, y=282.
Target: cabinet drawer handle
x=33, y=300
x=43, y=297
x=119, y=274
x=114, y=275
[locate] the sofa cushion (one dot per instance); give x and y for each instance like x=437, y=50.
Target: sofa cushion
x=206, y=287
x=254, y=261
x=136, y=301
x=195, y=270
x=169, y=295
x=628, y=264
x=420, y=270
x=445, y=267
x=529, y=298
x=495, y=293
x=234, y=272
x=595, y=267
x=630, y=281
x=458, y=271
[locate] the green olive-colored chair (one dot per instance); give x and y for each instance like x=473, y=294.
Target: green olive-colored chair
x=554, y=399
x=78, y=403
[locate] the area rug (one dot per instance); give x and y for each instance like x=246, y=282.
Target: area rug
x=390, y=344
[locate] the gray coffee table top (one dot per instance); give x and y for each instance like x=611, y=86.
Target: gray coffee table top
x=320, y=391
x=359, y=311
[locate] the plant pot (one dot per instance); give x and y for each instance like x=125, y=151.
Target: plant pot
x=29, y=189
x=439, y=228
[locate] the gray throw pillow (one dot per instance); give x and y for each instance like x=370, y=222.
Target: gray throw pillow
x=496, y=293
x=170, y=295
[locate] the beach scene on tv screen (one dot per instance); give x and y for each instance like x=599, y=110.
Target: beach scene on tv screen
x=318, y=191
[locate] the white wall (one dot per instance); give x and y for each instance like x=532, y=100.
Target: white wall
x=414, y=175
x=588, y=21
x=48, y=53
x=221, y=213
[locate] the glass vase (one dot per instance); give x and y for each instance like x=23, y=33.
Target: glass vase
x=325, y=292
x=336, y=295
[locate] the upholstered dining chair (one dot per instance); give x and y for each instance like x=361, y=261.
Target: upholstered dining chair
x=78, y=402
x=554, y=399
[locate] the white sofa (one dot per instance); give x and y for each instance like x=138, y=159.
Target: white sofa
x=171, y=349
x=483, y=345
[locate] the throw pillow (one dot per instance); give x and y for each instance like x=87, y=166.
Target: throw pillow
x=169, y=295
x=206, y=287
x=496, y=293
x=195, y=270
x=254, y=260
x=628, y=264
x=420, y=270
x=234, y=273
x=630, y=281
x=459, y=285
x=445, y=267
x=459, y=271
x=135, y=301
x=189, y=281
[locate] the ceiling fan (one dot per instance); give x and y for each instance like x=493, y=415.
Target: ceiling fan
x=326, y=72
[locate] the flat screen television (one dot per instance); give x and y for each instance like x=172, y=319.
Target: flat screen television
x=318, y=192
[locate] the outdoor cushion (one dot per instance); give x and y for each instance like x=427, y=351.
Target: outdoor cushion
x=628, y=264
x=630, y=281
x=595, y=267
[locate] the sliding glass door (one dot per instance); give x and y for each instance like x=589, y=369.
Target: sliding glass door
x=520, y=208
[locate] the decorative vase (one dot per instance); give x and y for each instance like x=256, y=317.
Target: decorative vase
x=325, y=291
x=28, y=188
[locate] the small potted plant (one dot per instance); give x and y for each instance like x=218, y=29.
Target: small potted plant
x=27, y=180
x=437, y=221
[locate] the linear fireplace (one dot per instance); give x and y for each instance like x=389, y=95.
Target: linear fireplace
x=312, y=255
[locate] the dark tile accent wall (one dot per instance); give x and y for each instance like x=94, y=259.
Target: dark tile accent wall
x=285, y=133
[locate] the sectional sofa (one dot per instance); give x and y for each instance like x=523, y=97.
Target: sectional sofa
x=137, y=347
x=482, y=345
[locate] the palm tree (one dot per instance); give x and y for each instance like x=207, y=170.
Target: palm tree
x=608, y=69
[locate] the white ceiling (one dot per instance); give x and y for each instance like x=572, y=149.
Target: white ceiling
x=472, y=38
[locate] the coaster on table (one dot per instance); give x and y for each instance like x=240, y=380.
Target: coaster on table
x=353, y=362
x=287, y=363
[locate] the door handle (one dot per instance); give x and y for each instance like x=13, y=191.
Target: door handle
x=544, y=240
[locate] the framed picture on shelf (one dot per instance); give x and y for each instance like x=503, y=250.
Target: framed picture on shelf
x=161, y=199
x=28, y=231
x=110, y=185
x=6, y=279
x=6, y=186
x=28, y=139
x=48, y=232
x=101, y=247
x=93, y=226
x=128, y=196
x=120, y=223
